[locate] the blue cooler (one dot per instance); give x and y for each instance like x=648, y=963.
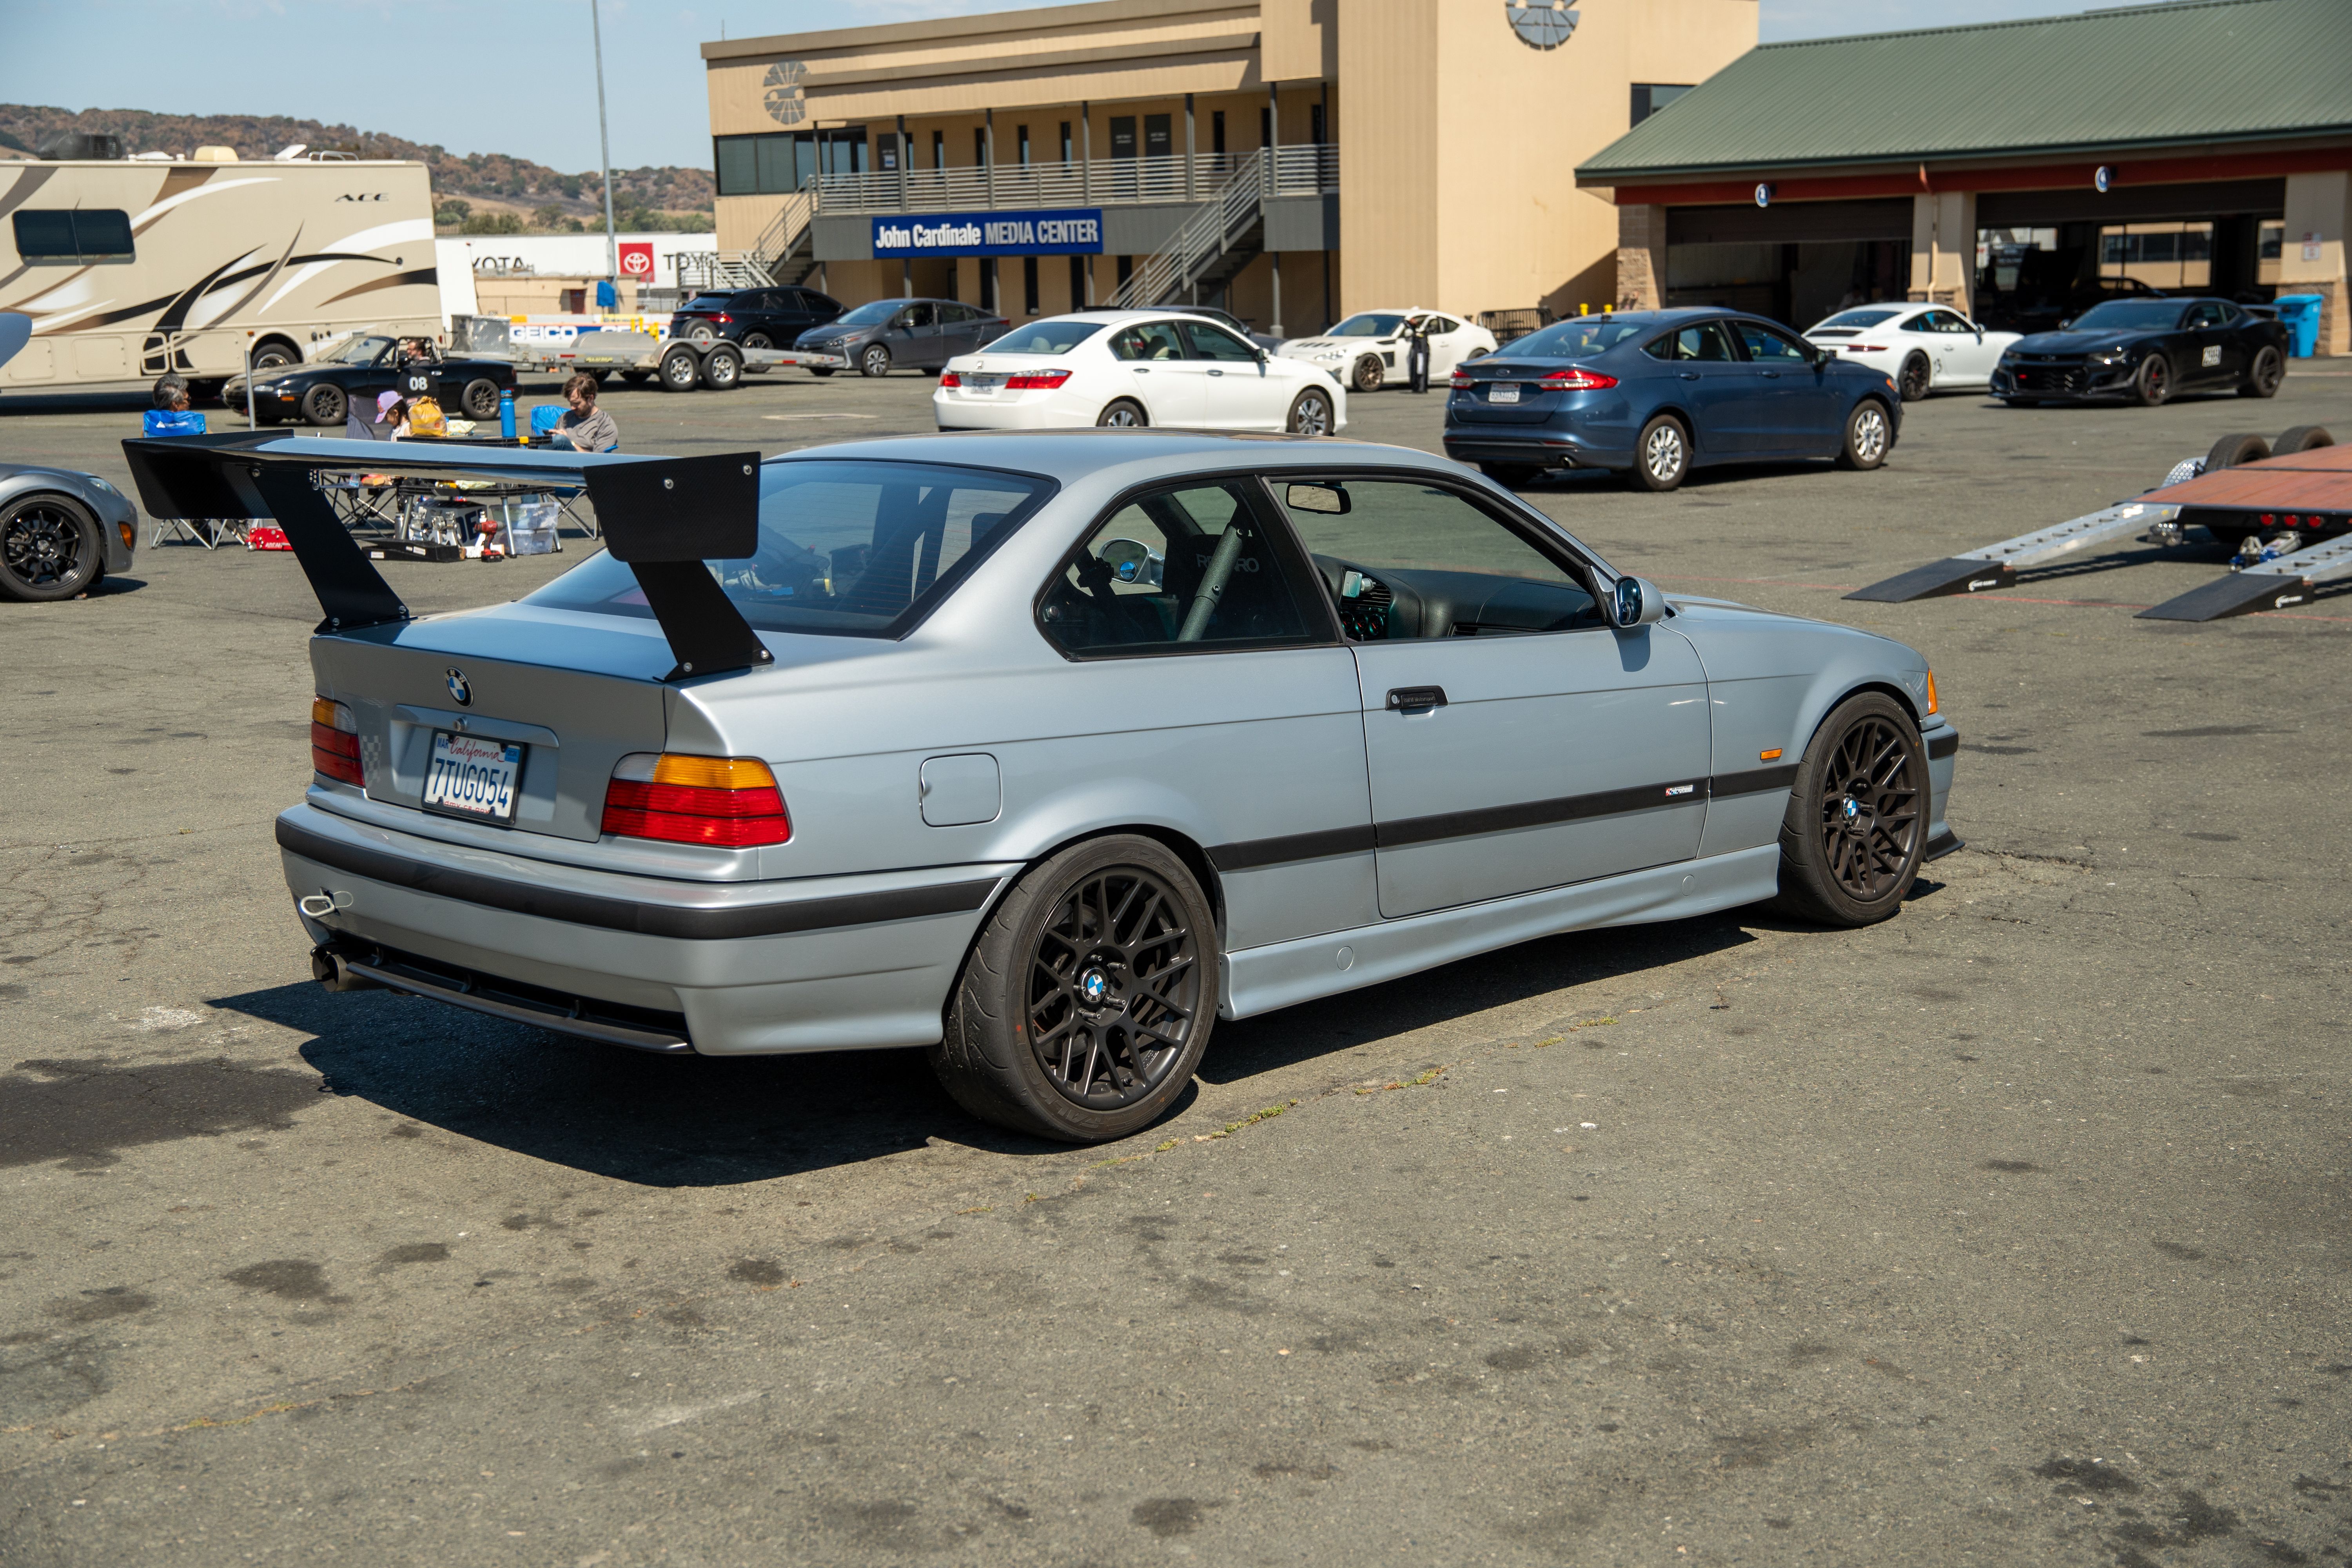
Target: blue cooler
x=2300, y=314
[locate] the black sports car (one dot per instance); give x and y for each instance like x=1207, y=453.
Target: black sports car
x=355, y=375
x=2144, y=351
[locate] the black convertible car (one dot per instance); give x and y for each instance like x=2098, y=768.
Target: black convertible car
x=2144, y=351
x=355, y=375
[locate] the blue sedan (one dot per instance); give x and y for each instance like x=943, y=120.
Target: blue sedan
x=1655, y=393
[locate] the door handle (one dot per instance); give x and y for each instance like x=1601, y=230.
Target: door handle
x=1772, y=375
x=1687, y=374
x=1416, y=699
x=1216, y=372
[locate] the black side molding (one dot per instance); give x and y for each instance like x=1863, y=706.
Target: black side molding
x=1946, y=743
x=623, y=914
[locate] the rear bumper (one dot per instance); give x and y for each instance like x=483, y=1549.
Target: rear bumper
x=1540, y=447
x=818, y=963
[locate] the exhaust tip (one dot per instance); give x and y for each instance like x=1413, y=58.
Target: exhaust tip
x=328, y=968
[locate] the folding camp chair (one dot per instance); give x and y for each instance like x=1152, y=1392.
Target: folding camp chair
x=207, y=532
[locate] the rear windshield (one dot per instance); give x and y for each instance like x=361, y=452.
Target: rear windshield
x=2129, y=316
x=1858, y=319
x=1045, y=338
x=1579, y=339
x=709, y=303
x=851, y=548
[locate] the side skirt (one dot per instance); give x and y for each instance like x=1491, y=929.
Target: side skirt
x=1280, y=974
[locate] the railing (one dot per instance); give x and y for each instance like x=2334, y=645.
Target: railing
x=1203, y=236
x=782, y=236
x=1102, y=182
x=702, y=270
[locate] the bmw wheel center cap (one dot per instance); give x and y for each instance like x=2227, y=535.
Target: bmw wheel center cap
x=1095, y=987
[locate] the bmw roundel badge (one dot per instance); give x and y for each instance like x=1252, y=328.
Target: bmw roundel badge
x=459, y=690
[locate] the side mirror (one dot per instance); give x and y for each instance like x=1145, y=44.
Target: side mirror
x=1636, y=602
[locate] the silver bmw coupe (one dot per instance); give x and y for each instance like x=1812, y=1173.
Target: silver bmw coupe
x=1045, y=751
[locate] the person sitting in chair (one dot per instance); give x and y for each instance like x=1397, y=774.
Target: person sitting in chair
x=587, y=428
x=171, y=414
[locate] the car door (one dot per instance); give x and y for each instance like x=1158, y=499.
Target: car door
x=1968, y=359
x=1514, y=740
x=912, y=335
x=1447, y=343
x=2216, y=354
x=1150, y=357
x=1797, y=409
x=1725, y=399
x=1237, y=391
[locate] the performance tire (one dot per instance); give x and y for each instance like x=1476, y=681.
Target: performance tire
x=1088, y=997
x=1662, y=454
x=722, y=369
x=1312, y=414
x=681, y=370
x=1869, y=436
x=49, y=550
x=1368, y=373
x=325, y=403
x=1857, y=826
x=1916, y=378
x=480, y=398
x=2152, y=387
x=1123, y=413
x=874, y=361
x=1511, y=475
x=2262, y=378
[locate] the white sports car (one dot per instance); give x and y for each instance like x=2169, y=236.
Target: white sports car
x=1926, y=348
x=1370, y=346
x=1131, y=368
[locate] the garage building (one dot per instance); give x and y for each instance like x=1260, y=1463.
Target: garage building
x=2200, y=146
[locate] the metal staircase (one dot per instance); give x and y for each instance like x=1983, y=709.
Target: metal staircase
x=1223, y=236
x=783, y=253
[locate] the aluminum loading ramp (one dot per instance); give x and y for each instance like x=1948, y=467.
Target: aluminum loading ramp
x=2303, y=496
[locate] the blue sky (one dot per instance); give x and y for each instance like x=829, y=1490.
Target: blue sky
x=515, y=76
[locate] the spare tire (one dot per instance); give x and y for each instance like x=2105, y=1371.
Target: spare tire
x=2244, y=446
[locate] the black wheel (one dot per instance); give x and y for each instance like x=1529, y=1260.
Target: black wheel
x=1511, y=475
x=480, y=398
x=2245, y=446
x=1662, y=454
x=1368, y=373
x=1857, y=817
x=822, y=368
x=757, y=340
x=1085, y=1003
x=1124, y=413
x=206, y=390
x=2152, y=387
x=1312, y=414
x=1914, y=378
x=2263, y=376
x=722, y=369
x=636, y=377
x=1869, y=436
x=49, y=549
x=275, y=356
x=681, y=370
x=599, y=377
x=875, y=360
x=2302, y=438
x=325, y=405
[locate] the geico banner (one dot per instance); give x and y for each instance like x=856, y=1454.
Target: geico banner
x=1068, y=231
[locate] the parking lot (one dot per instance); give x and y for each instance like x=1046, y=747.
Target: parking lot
x=2012, y=1230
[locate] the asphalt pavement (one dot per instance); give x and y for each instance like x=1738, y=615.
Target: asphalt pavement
x=2010, y=1231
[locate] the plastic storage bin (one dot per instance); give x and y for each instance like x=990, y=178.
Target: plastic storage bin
x=2299, y=313
x=530, y=527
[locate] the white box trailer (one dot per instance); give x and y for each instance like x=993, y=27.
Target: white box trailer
x=124, y=268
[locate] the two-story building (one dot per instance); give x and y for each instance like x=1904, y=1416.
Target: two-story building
x=1289, y=160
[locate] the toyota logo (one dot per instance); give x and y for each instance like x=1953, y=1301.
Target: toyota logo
x=460, y=693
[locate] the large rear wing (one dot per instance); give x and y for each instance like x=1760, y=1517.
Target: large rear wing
x=662, y=516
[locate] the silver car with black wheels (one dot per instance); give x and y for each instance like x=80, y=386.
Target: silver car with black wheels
x=61, y=533
x=1047, y=751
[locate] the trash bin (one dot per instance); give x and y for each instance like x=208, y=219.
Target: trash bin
x=2300, y=314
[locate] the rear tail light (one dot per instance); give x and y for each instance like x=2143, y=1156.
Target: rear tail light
x=335, y=741
x=1035, y=380
x=731, y=801
x=1462, y=380
x=949, y=378
x=1578, y=381
x=1863, y=348
x=723, y=318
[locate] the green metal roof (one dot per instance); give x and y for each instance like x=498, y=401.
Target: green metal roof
x=2195, y=71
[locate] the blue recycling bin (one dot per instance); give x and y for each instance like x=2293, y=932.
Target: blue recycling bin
x=2300, y=315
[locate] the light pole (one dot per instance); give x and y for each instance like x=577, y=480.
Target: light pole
x=604, y=146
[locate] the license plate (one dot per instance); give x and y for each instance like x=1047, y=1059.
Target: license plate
x=475, y=778
x=1503, y=392
x=984, y=382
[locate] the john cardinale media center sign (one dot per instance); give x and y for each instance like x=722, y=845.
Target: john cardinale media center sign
x=1068, y=231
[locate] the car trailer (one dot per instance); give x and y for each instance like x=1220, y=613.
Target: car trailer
x=679, y=364
x=2286, y=506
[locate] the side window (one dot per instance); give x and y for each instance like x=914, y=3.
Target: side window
x=1214, y=343
x=72, y=236
x=2207, y=315
x=1766, y=346
x=1184, y=567
x=1407, y=560
x=1707, y=340
x=1441, y=325
x=1148, y=341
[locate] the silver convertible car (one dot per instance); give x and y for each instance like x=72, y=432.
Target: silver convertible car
x=1045, y=751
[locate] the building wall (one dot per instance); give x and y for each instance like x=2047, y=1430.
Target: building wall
x=2319, y=204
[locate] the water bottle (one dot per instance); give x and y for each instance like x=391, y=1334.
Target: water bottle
x=506, y=414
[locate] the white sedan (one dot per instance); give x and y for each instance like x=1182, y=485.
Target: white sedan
x=1136, y=367
x=1926, y=348
x=1371, y=346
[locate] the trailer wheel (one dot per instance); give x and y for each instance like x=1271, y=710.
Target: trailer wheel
x=636, y=377
x=722, y=369
x=822, y=368
x=2302, y=438
x=2262, y=380
x=681, y=370
x=2245, y=446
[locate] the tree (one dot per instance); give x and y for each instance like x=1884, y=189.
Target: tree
x=453, y=212
x=548, y=217
x=493, y=223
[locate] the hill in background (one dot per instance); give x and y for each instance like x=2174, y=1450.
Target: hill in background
x=481, y=193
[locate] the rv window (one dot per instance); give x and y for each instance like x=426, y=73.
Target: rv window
x=61, y=236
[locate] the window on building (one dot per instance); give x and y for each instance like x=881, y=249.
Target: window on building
x=1078, y=282
x=1065, y=142
x=2273, y=240
x=1029, y=285
x=980, y=146
x=1122, y=136
x=1159, y=135
x=1021, y=144
x=886, y=149
x=1217, y=132
x=938, y=150
x=778, y=163
x=1315, y=123
x=1649, y=97
x=988, y=285
x=1126, y=269
x=1266, y=127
